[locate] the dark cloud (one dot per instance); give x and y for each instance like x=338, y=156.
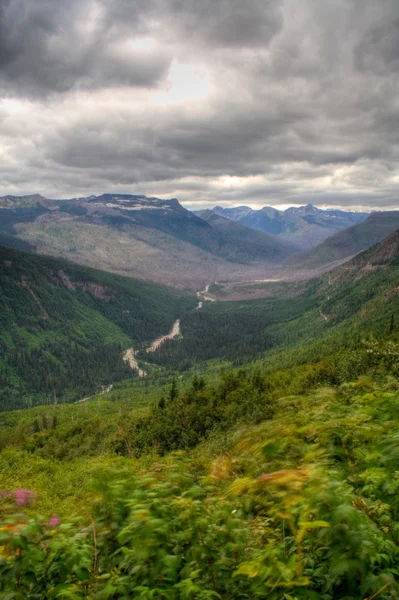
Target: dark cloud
x=48, y=46
x=295, y=101
x=226, y=23
x=378, y=50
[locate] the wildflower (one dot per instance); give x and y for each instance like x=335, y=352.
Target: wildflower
x=23, y=496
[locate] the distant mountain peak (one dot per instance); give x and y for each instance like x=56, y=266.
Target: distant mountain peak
x=10, y=201
x=304, y=210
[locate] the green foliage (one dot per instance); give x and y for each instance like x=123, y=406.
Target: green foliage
x=303, y=505
x=183, y=412
x=232, y=331
x=184, y=420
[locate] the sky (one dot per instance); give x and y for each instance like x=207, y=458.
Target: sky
x=229, y=102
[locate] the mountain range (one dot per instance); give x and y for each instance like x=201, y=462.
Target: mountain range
x=160, y=240
x=306, y=226
x=138, y=236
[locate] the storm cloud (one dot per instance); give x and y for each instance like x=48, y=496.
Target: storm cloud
x=213, y=101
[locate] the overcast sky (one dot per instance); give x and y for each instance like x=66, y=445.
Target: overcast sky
x=258, y=102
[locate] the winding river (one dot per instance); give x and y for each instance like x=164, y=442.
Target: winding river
x=130, y=354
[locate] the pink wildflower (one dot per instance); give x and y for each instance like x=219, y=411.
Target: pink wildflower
x=54, y=521
x=23, y=496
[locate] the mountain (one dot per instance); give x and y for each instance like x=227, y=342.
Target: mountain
x=346, y=243
x=137, y=236
x=63, y=327
x=379, y=258
x=246, y=239
x=17, y=202
x=305, y=226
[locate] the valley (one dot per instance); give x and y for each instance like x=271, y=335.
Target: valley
x=161, y=426
x=130, y=354
x=63, y=327
x=208, y=330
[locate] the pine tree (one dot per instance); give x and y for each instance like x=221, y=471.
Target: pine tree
x=174, y=392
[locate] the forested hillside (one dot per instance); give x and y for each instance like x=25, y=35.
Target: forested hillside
x=63, y=327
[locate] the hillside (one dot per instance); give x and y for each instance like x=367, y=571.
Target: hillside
x=350, y=241
x=284, y=497
x=383, y=257
x=63, y=326
x=305, y=226
x=137, y=236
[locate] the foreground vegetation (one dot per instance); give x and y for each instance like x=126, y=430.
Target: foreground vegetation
x=251, y=484
x=301, y=505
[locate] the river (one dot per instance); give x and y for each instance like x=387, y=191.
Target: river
x=130, y=354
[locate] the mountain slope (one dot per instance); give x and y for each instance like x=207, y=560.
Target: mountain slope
x=63, y=327
x=305, y=225
x=350, y=241
x=137, y=236
x=246, y=240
